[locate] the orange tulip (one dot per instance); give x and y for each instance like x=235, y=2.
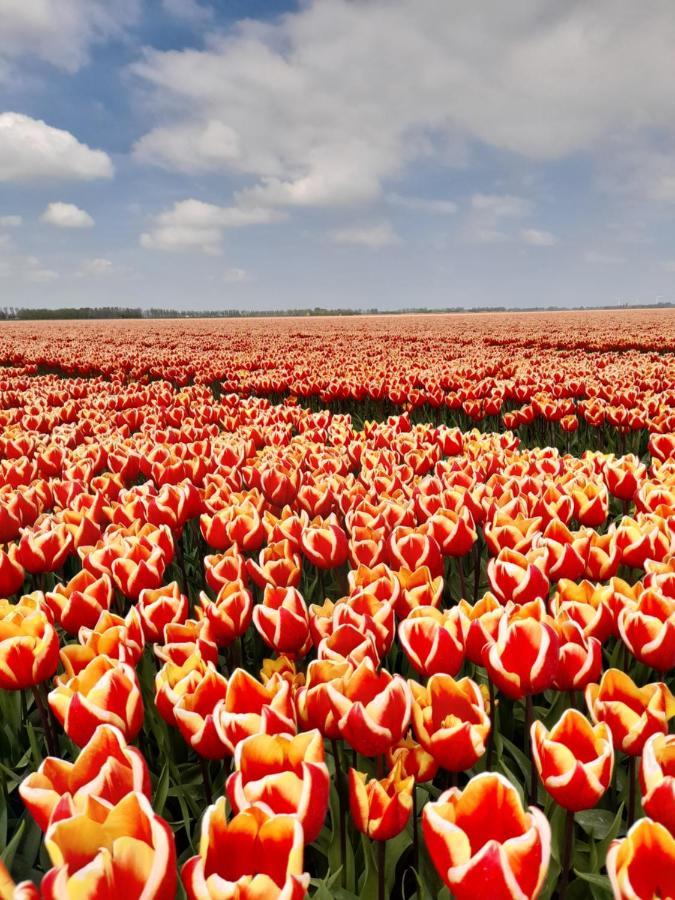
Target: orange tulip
x=29, y=645
x=194, y=713
x=160, y=607
x=102, y=850
x=433, y=640
x=484, y=844
x=483, y=621
x=116, y=637
x=81, y=601
x=256, y=855
x=12, y=573
x=574, y=759
x=657, y=779
x=518, y=577
x=411, y=548
x=414, y=760
x=372, y=708
x=104, y=692
x=278, y=565
x=228, y=616
x=417, y=588
x=282, y=621
x=450, y=721
x=175, y=679
x=286, y=774
x=381, y=808
x=312, y=700
x=580, y=657
x=642, y=865
x=106, y=768
x=44, y=551
x=524, y=658
x=633, y=713
x=324, y=543
x=250, y=708
x=648, y=630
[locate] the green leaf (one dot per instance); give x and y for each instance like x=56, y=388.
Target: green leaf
x=598, y=881
x=161, y=790
x=7, y=855
x=596, y=823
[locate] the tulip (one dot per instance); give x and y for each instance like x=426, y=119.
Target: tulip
x=642, y=865
x=195, y=710
x=580, y=657
x=160, y=607
x=324, y=543
x=282, y=621
x=417, y=588
x=372, y=708
x=603, y=556
x=524, y=658
x=312, y=700
x=348, y=643
x=12, y=573
x=104, y=692
x=484, y=844
x=633, y=713
x=657, y=779
x=587, y=604
x=278, y=565
x=450, y=721
x=228, y=616
x=256, y=855
x=433, y=640
x=175, y=679
x=29, y=645
x=101, y=850
x=222, y=568
x=648, y=630
x=116, y=637
x=411, y=548
x=140, y=570
x=285, y=774
x=44, y=551
x=25, y=890
x=250, y=707
x=414, y=760
x=518, y=577
x=380, y=809
x=81, y=601
x=574, y=760
x=106, y=768
x=483, y=621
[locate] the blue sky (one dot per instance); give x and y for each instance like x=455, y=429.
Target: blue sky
x=338, y=153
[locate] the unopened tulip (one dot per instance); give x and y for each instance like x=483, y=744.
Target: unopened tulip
x=29, y=644
x=433, y=640
x=381, y=808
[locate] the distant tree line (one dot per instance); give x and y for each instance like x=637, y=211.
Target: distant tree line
x=13, y=313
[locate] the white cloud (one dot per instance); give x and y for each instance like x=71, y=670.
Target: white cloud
x=538, y=238
x=30, y=150
x=189, y=11
x=375, y=235
x=61, y=32
x=21, y=267
x=319, y=108
x=96, y=266
x=499, y=206
x=489, y=215
x=424, y=204
x=66, y=215
x=596, y=257
x=11, y=221
x=195, y=225
x=235, y=276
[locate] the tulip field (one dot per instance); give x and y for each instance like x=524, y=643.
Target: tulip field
x=367, y=607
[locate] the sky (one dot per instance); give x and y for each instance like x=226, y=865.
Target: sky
x=255, y=154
